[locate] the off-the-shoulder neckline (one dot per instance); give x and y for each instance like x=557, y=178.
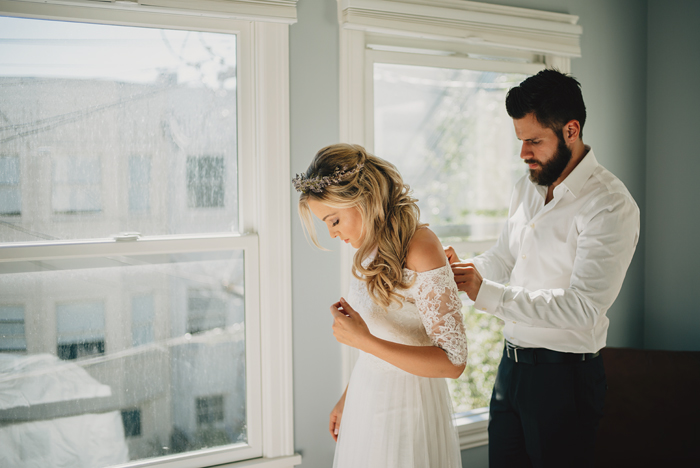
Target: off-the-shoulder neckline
x=371, y=256
x=434, y=270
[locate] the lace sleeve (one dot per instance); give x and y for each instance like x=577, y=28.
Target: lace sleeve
x=441, y=312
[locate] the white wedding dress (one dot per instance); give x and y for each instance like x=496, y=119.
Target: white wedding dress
x=394, y=419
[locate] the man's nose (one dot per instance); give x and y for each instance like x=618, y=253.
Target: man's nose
x=525, y=152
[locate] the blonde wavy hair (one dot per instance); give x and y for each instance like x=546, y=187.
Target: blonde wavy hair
x=389, y=214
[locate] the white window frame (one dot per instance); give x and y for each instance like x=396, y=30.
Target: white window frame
x=262, y=28
x=444, y=34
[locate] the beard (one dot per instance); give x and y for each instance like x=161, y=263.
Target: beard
x=550, y=171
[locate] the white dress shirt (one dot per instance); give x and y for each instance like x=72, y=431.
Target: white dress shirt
x=557, y=268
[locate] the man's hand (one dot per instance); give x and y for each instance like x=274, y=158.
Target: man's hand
x=467, y=277
x=451, y=254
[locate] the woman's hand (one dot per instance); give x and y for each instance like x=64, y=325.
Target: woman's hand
x=348, y=327
x=336, y=416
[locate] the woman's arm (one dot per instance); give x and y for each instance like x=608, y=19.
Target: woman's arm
x=440, y=310
x=425, y=361
x=336, y=416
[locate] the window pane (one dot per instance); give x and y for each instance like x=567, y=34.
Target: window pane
x=106, y=129
x=139, y=184
x=449, y=134
x=10, y=195
x=142, y=315
x=12, y=338
x=127, y=358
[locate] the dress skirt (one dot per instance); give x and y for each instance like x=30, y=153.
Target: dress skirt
x=393, y=419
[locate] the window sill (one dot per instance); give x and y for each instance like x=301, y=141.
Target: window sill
x=472, y=428
x=277, y=462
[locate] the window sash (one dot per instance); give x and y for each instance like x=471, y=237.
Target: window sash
x=14, y=257
x=263, y=172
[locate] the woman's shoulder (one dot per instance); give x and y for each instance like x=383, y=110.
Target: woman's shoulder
x=425, y=251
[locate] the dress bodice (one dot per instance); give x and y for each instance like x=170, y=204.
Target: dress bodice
x=429, y=315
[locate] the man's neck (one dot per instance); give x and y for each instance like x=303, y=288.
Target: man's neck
x=578, y=152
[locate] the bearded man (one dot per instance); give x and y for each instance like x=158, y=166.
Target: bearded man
x=554, y=272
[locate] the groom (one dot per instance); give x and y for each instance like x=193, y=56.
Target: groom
x=552, y=276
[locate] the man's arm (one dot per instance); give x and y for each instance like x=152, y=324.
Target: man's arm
x=495, y=264
x=604, y=251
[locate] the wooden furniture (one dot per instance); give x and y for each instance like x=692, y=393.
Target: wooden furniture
x=652, y=409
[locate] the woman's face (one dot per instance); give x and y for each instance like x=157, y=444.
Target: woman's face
x=345, y=223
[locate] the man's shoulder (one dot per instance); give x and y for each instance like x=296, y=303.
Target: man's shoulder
x=605, y=194
x=604, y=183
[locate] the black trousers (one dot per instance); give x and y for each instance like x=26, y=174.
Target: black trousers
x=545, y=415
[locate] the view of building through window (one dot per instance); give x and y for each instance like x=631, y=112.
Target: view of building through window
x=448, y=133
x=105, y=130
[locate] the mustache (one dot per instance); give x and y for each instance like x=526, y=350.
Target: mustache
x=531, y=161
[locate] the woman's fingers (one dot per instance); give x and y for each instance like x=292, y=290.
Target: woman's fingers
x=334, y=424
x=331, y=427
x=347, y=308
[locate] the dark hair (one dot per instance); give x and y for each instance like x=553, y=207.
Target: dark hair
x=554, y=97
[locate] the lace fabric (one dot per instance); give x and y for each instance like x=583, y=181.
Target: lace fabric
x=440, y=310
x=430, y=314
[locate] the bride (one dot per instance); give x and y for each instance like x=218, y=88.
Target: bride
x=402, y=313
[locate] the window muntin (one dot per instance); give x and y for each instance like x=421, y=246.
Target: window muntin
x=447, y=131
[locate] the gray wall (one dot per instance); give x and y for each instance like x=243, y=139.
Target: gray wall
x=314, y=61
x=638, y=70
x=672, y=315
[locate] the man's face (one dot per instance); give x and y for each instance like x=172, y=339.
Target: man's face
x=543, y=150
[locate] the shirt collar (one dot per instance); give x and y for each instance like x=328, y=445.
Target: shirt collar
x=581, y=173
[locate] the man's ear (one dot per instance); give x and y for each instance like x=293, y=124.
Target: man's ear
x=571, y=131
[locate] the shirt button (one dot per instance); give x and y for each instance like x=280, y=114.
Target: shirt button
x=524, y=256
x=514, y=323
x=532, y=225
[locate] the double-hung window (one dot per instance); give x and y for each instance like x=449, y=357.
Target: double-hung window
x=142, y=150
x=423, y=85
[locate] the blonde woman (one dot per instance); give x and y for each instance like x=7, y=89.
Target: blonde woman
x=402, y=313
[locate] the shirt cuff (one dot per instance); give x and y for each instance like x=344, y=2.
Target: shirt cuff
x=489, y=296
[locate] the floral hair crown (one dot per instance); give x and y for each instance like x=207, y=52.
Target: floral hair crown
x=317, y=183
